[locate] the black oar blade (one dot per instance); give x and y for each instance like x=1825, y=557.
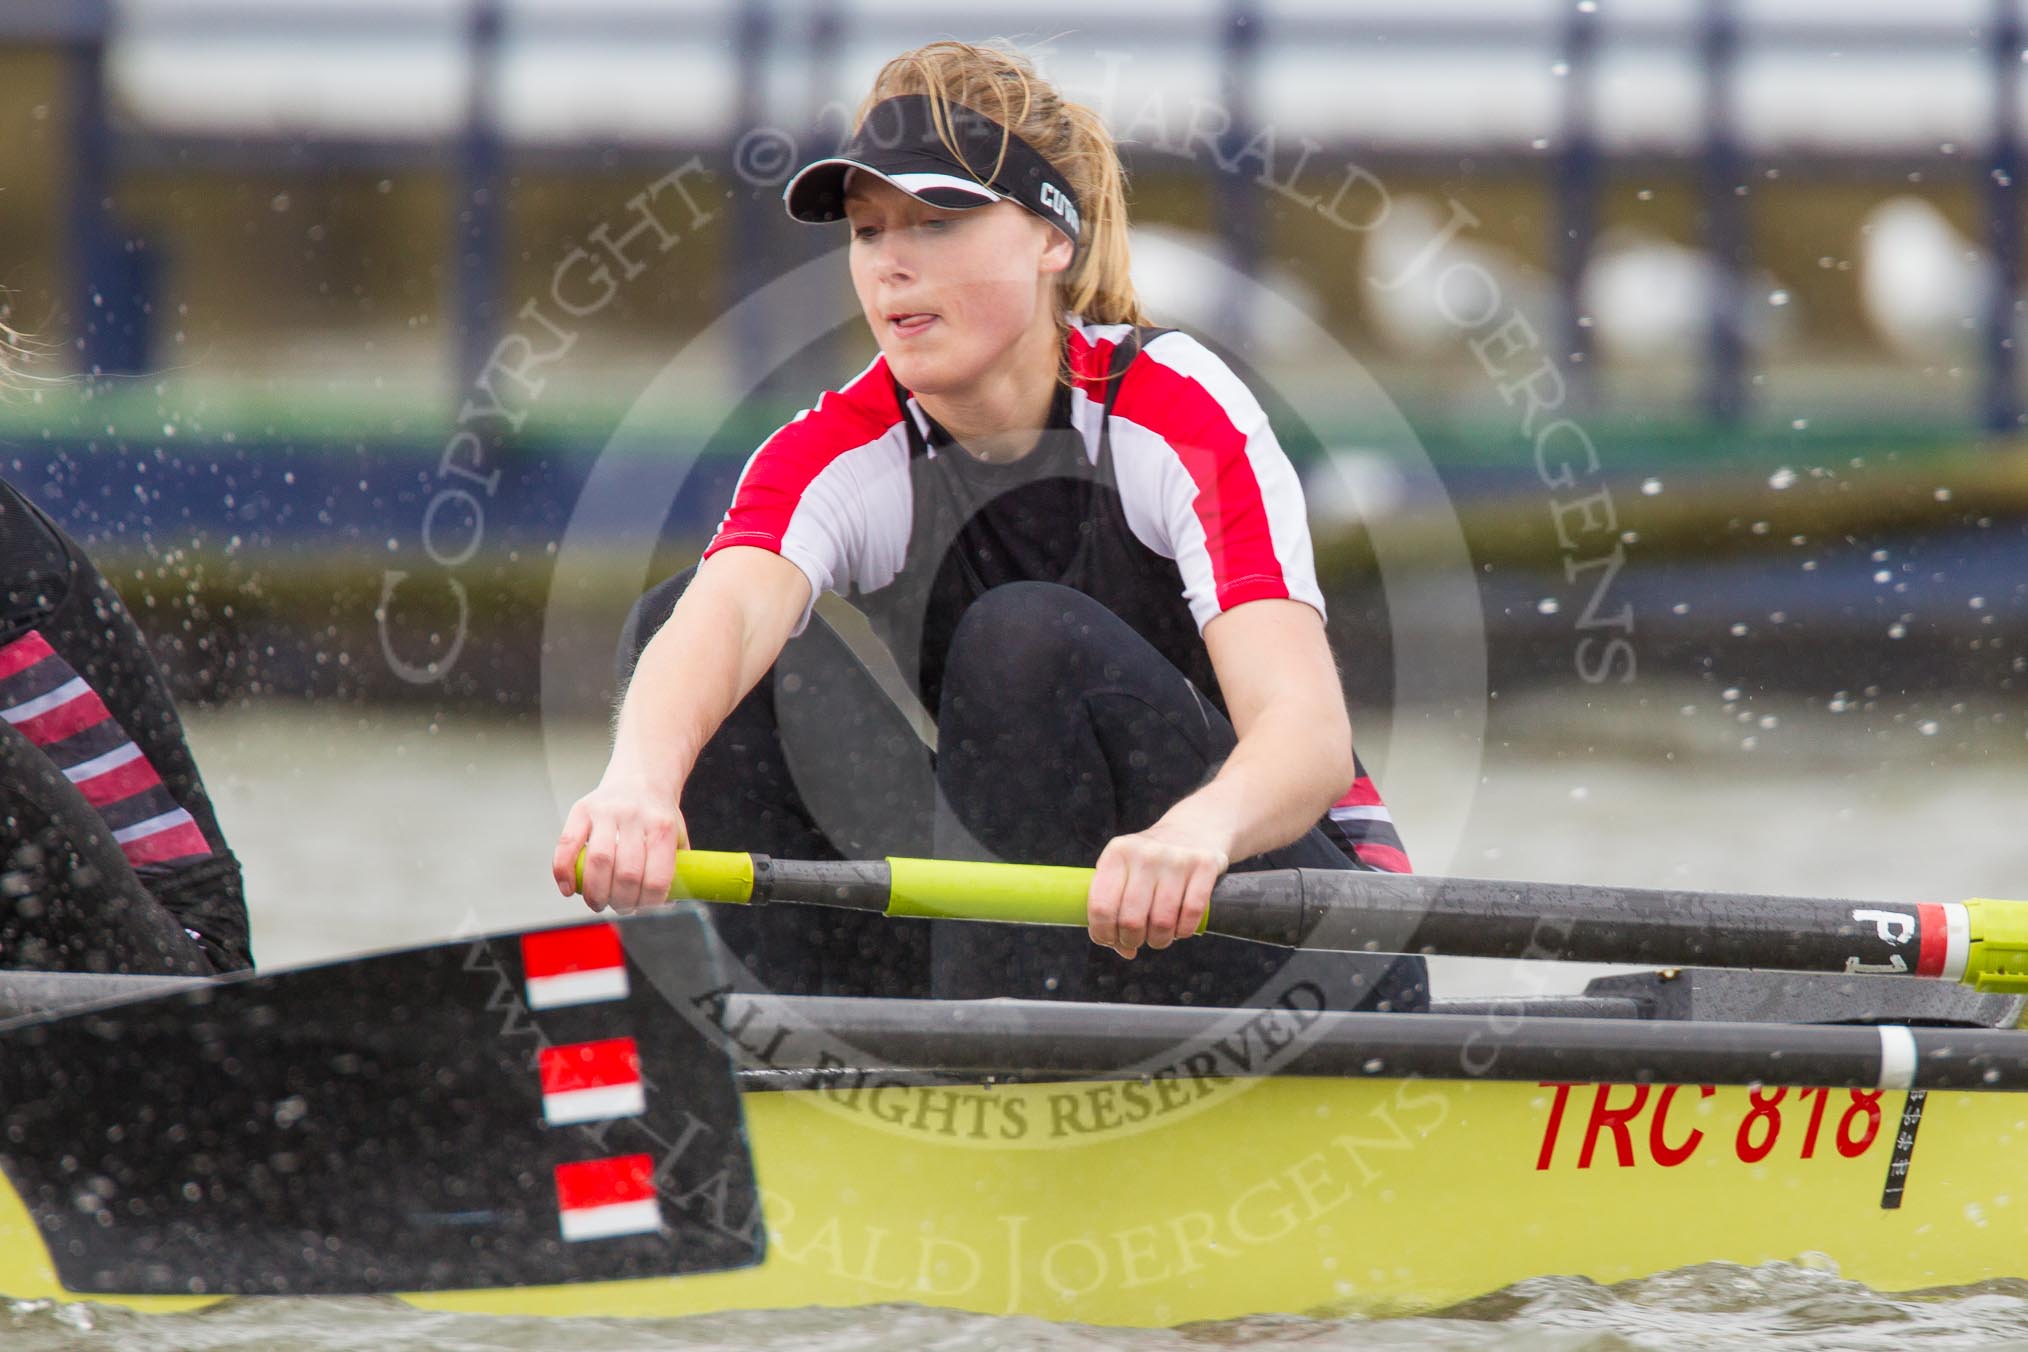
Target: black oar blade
x=524, y=1110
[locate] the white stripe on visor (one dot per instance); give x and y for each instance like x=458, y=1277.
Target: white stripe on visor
x=918, y=183
x=915, y=183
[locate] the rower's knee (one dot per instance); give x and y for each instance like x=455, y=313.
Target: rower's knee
x=1022, y=643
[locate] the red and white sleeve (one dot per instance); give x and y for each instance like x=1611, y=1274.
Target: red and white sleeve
x=822, y=488
x=1206, y=482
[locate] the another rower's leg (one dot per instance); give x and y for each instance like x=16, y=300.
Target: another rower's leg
x=69, y=900
x=814, y=763
x=1060, y=728
x=65, y=633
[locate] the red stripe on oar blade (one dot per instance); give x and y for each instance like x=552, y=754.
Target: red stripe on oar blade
x=574, y=966
x=1932, y=926
x=598, y=1199
x=591, y=1082
x=590, y=1065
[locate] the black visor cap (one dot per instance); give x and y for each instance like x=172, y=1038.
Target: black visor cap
x=898, y=142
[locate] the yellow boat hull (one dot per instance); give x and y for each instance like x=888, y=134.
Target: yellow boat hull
x=1178, y=1201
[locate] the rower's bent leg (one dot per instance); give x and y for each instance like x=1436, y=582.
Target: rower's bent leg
x=1060, y=728
x=69, y=900
x=51, y=593
x=814, y=763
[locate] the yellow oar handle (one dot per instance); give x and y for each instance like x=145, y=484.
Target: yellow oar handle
x=950, y=889
x=1998, y=958
x=703, y=875
x=932, y=889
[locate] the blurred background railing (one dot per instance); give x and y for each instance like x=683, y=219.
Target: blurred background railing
x=1765, y=200
x=1766, y=244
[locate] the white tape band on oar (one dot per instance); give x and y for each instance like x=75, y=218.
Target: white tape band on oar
x=1897, y=1057
x=1957, y=940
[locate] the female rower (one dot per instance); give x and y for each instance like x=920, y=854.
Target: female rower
x=114, y=861
x=1077, y=535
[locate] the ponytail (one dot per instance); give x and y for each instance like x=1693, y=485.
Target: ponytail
x=1100, y=283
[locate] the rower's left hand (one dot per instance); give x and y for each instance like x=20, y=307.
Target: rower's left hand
x=1152, y=887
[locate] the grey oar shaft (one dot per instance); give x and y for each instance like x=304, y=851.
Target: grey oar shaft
x=1349, y=910
x=1352, y=911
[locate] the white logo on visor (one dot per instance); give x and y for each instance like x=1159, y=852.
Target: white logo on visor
x=1058, y=201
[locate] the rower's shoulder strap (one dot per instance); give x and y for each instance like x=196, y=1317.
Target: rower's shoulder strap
x=918, y=445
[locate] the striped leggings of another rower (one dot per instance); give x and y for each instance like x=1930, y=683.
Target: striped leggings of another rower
x=114, y=859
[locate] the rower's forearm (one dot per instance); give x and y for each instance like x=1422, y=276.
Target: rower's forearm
x=665, y=717
x=1271, y=789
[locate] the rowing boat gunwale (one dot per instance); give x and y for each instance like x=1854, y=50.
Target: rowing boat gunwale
x=1011, y=1040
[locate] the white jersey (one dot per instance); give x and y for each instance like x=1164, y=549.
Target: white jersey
x=1201, y=475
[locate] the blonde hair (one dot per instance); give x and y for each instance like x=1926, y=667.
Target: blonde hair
x=16, y=352
x=1002, y=84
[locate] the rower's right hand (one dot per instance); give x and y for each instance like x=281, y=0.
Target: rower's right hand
x=628, y=832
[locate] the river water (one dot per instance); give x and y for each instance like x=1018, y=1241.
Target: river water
x=366, y=828
x=1711, y=1306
